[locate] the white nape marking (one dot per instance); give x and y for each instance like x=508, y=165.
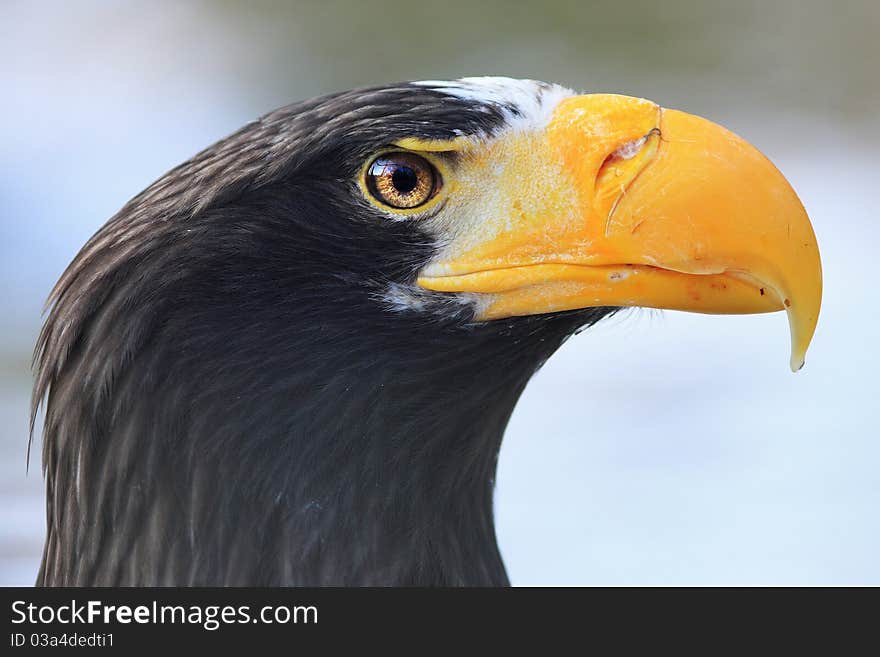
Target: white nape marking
x=534, y=101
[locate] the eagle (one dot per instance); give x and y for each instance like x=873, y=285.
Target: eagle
x=291, y=359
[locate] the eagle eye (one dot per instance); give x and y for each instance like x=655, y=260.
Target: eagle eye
x=402, y=180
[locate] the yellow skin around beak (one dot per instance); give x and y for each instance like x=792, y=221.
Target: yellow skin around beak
x=618, y=202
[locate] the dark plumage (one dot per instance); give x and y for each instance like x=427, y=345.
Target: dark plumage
x=229, y=400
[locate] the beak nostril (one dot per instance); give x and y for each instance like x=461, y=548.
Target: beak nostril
x=619, y=170
x=631, y=148
x=616, y=161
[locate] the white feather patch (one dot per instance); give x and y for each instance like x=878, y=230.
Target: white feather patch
x=406, y=298
x=534, y=101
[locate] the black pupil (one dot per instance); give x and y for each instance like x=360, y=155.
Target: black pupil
x=405, y=179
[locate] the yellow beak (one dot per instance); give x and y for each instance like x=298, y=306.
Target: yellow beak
x=649, y=207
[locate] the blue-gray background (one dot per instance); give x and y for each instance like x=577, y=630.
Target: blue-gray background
x=656, y=448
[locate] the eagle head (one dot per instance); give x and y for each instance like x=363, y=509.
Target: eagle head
x=291, y=359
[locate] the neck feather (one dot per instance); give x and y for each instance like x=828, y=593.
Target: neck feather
x=319, y=457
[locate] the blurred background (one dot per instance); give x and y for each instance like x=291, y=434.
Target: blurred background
x=656, y=448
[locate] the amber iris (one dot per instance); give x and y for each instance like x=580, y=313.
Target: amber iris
x=402, y=180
